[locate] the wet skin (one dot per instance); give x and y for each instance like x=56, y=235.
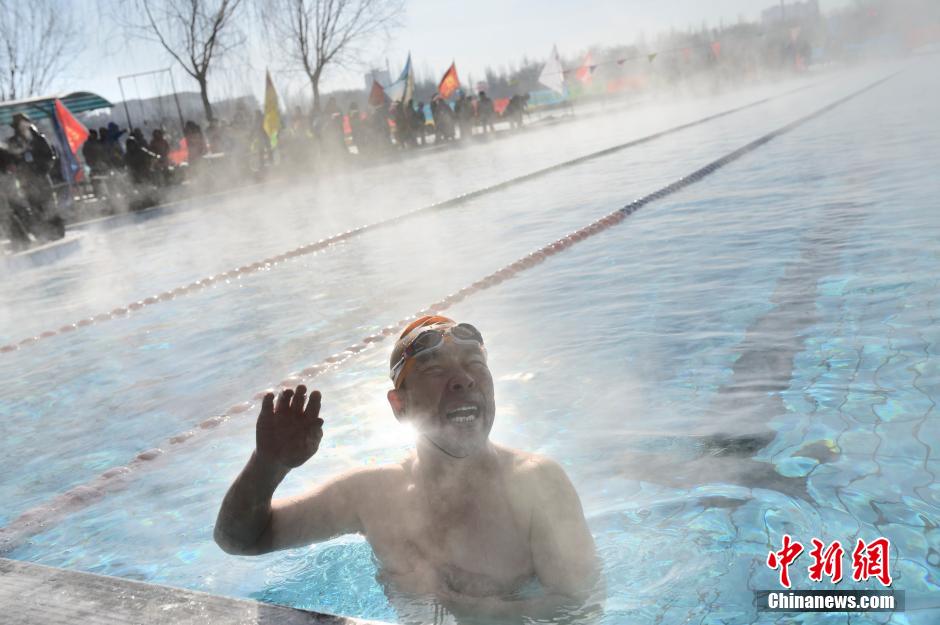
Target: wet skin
x=462, y=519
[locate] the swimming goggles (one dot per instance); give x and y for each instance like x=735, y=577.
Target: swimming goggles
x=431, y=339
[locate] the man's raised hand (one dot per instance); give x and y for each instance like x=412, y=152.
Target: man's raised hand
x=288, y=431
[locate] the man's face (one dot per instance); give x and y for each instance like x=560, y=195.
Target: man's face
x=448, y=397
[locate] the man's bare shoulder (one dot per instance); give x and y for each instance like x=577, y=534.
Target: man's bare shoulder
x=525, y=462
x=375, y=491
x=536, y=472
x=378, y=477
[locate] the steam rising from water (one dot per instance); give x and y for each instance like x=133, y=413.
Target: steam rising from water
x=618, y=349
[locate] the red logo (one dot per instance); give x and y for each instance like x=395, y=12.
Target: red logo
x=868, y=560
x=828, y=561
x=871, y=561
x=784, y=558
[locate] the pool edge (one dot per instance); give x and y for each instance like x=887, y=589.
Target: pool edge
x=34, y=594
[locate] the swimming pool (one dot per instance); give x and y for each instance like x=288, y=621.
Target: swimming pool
x=787, y=299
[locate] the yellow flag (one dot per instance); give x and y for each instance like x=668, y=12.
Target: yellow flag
x=272, y=118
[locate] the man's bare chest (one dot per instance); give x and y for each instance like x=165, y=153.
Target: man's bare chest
x=473, y=545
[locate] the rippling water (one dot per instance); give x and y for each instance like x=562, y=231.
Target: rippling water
x=753, y=356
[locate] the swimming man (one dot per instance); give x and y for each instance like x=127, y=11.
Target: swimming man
x=461, y=518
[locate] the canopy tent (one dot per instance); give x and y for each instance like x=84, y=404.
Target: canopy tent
x=39, y=108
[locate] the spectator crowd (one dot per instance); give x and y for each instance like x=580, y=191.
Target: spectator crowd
x=129, y=170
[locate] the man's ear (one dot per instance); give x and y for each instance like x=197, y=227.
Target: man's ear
x=396, y=400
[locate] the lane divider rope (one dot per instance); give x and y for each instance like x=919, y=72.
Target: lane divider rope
x=316, y=246
x=40, y=518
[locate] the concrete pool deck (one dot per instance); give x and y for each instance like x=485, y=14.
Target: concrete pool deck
x=32, y=594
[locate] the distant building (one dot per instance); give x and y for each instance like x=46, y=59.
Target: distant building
x=791, y=12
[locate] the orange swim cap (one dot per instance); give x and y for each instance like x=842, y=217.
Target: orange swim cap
x=427, y=320
x=402, y=342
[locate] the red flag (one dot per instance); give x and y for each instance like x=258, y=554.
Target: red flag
x=449, y=83
x=377, y=95
x=584, y=72
x=70, y=135
x=75, y=132
x=687, y=53
x=716, y=48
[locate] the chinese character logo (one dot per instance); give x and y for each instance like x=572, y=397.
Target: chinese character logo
x=871, y=560
x=784, y=558
x=828, y=562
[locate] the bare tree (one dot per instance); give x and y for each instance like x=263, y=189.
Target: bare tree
x=38, y=41
x=196, y=33
x=315, y=34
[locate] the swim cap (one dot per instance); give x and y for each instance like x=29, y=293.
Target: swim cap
x=408, y=334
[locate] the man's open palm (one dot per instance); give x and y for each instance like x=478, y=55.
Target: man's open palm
x=289, y=432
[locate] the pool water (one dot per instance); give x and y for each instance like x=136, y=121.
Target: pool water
x=752, y=356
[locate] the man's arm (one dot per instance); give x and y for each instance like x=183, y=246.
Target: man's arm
x=246, y=510
x=563, y=549
x=249, y=523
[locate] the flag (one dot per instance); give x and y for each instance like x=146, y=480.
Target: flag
x=377, y=95
x=716, y=48
x=583, y=74
x=403, y=89
x=70, y=135
x=687, y=54
x=449, y=83
x=409, y=81
x=651, y=56
x=272, y=117
x=553, y=74
x=75, y=132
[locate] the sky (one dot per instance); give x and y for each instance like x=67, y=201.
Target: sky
x=474, y=34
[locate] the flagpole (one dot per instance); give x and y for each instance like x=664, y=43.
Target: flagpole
x=63, y=163
x=127, y=113
x=176, y=97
